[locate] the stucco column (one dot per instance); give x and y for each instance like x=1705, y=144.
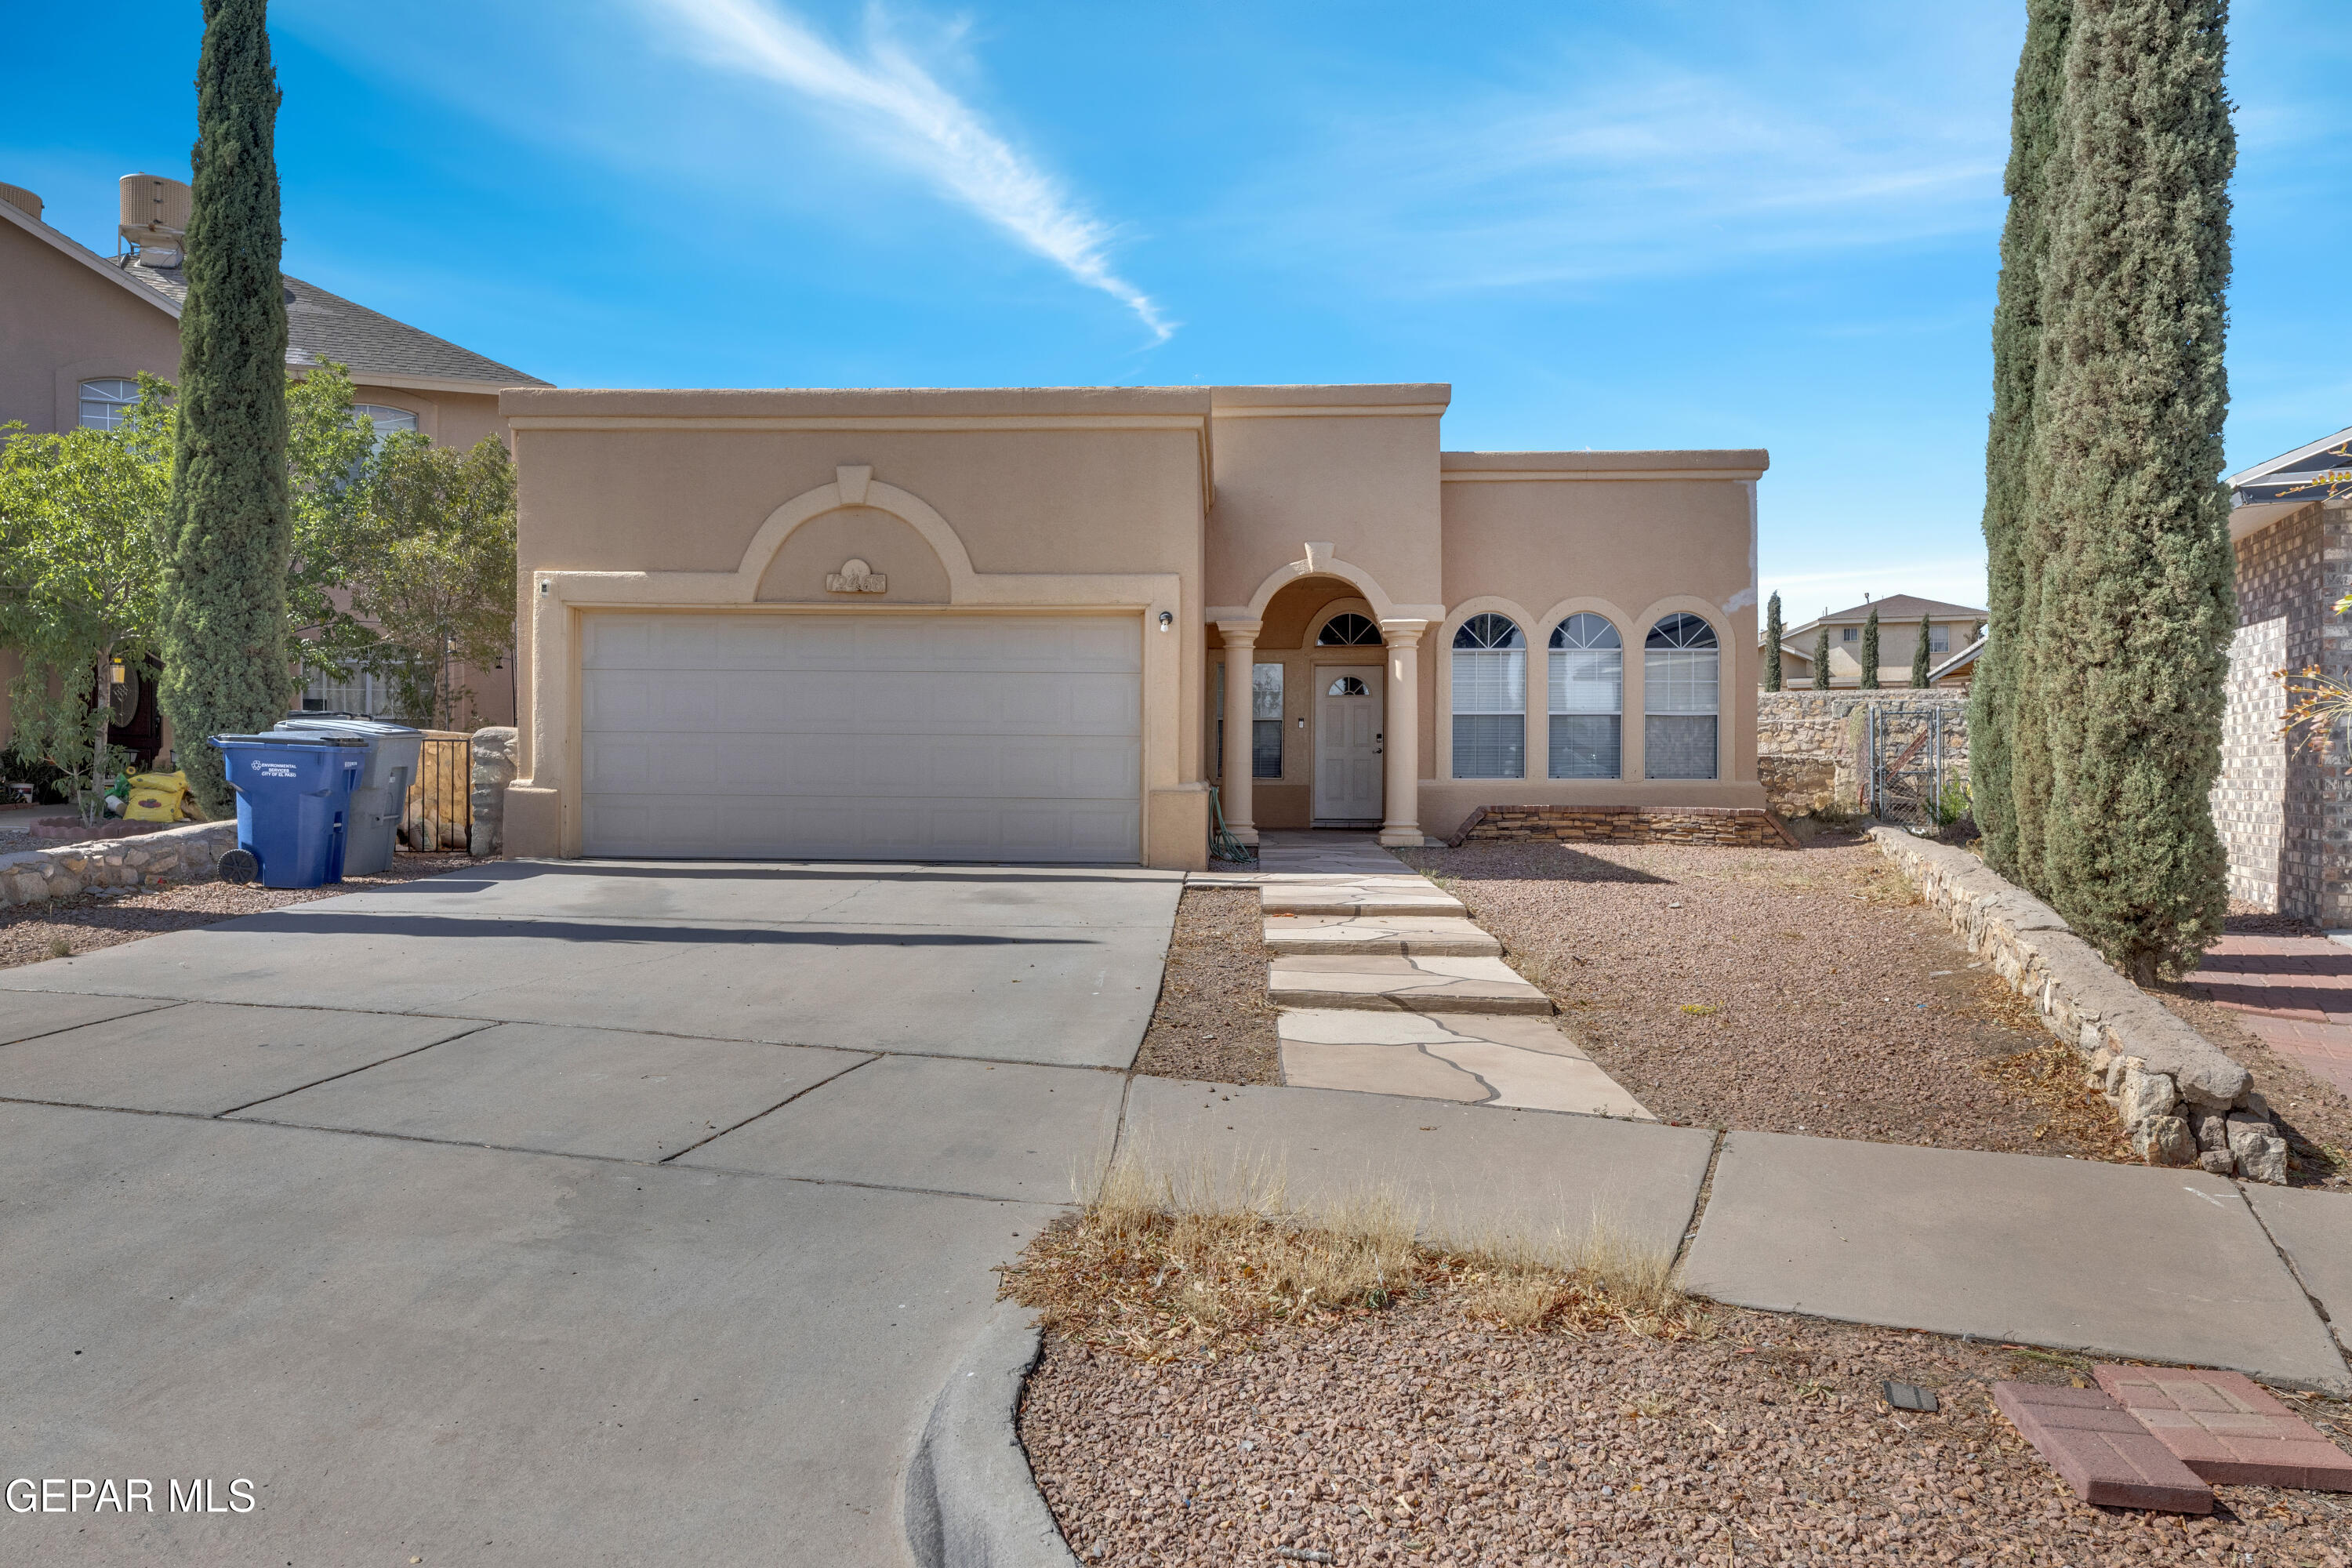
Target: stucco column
x=1240, y=642
x=1400, y=734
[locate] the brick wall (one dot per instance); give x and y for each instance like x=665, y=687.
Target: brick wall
x=1728, y=825
x=2286, y=816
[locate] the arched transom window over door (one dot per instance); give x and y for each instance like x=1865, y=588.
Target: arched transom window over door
x=1681, y=662
x=1490, y=700
x=1587, y=698
x=1349, y=629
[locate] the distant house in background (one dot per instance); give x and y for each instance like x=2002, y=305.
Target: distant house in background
x=77, y=328
x=1956, y=636
x=2286, y=813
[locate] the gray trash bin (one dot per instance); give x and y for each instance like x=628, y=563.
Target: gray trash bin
x=381, y=797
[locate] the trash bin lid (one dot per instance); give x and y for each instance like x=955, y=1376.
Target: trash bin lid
x=288, y=738
x=344, y=724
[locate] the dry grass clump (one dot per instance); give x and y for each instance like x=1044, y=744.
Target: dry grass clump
x=1158, y=1264
x=2049, y=1079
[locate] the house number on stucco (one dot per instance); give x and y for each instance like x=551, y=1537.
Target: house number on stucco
x=855, y=577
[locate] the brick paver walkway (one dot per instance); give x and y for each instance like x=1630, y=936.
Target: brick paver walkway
x=2295, y=992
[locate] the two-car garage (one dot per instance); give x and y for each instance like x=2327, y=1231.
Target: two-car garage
x=948, y=736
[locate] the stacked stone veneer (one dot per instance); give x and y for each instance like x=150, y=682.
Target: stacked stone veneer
x=494, y=768
x=1806, y=743
x=189, y=854
x=2180, y=1100
x=1728, y=825
x=2285, y=814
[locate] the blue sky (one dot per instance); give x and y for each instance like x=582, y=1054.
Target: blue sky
x=1770, y=224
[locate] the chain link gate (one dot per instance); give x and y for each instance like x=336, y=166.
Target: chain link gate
x=1902, y=761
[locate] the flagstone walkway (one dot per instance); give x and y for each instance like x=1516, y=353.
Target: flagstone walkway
x=1386, y=986
x=2293, y=992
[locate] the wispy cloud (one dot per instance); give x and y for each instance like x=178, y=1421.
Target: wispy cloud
x=1631, y=167
x=896, y=102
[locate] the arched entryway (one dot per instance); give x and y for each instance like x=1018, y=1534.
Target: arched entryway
x=1315, y=700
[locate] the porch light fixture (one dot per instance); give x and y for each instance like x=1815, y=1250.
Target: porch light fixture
x=1167, y=619
x=119, y=675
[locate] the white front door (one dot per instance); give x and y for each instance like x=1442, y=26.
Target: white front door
x=1347, y=705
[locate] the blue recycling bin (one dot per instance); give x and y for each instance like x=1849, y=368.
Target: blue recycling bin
x=293, y=806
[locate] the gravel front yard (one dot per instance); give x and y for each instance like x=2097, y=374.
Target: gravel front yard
x=62, y=927
x=1410, y=1435
x=1804, y=990
x=1214, y=1022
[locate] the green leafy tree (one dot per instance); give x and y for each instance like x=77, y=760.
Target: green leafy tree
x=430, y=569
x=229, y=531
x=1772, y=644
x=1999, y=675
x=330, y=450
x=2138, y=599
x=1870, y=652
x=1919, y=665
x=1821, y=661
x=81, y=520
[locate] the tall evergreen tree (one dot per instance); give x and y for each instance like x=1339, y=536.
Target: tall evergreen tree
x=2016, y=341
x=2137, y=597
x=1772, y=644
x=1870, y=652
x=1919, y=656
x=1821, y=661
x=228, y=532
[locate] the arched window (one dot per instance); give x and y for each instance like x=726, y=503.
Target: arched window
x=1588, y=698
x=1490, y=700
x=387, y=421
x=105, y=404
x=1349, y=630
x=1346, y=686
x=1680, y=662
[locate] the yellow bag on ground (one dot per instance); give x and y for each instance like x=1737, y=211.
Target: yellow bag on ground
x=156, y=798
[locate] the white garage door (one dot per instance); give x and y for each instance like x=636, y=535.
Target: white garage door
x=885, y=737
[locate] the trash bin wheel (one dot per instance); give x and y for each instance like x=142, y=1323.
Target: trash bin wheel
x=239, y=865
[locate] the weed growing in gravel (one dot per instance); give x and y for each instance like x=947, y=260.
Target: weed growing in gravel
x=1158, y=1264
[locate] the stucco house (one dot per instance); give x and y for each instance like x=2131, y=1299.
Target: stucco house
x=2284, y=811
x=77, y=326
x=1032, y=625
x=1955, y=639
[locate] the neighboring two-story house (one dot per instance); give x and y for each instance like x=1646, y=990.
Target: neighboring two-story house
x=77, y=326
x=1955, y=638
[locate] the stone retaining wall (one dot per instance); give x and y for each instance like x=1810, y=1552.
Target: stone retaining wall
x=1728, y=825
x=494, y=768
x=1805, y=743
x=2181, y=1099
x=189, y=854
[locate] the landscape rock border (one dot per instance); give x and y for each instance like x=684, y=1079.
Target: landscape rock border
x=1744, y=827
x=971, y=1501
x=2181, y=1099
x=187, y=854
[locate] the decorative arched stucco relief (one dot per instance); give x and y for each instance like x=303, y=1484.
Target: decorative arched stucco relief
x=856, y=487
x=1321, y=561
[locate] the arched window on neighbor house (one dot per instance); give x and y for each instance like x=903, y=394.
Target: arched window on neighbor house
x=1681, y=662
x=1349, y=629
x=1490, y=700
x=1587, y=698
x=106, y=403
x=387, y=420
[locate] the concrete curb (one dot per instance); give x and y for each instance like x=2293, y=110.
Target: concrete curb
x=971, y=1501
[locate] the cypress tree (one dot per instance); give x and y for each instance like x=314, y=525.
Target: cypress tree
x=228, y=532
x=1919, y=658
x=1870, y=652
x=2016, y=340
x=2137, y=598
x=1821, y=661
x=1772, y=644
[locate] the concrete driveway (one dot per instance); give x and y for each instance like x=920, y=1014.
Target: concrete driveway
x=578, y=1213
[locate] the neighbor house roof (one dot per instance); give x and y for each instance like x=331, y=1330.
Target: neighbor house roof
x=2266, y=492
x=319, y=325
x=1899, y=607
x=1959, y=661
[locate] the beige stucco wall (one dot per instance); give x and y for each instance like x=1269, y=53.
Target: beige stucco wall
x=1633, y=536
x=1071, y=498
x=61, y=324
